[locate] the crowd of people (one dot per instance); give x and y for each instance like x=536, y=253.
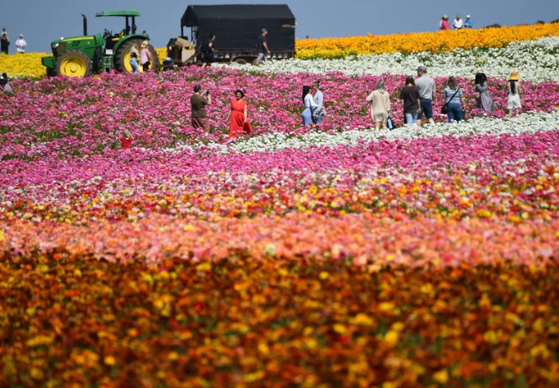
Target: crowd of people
x=21, y=44
x=458, y=23
x=418, y=95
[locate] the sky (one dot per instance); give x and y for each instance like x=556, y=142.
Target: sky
x=42, y=21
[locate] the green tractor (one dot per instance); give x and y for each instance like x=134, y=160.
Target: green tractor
x=83, y=55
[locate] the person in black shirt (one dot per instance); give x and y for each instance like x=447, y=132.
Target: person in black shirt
x=410, y=97
x=208, y=50
x=4, y=42
x=262, y=47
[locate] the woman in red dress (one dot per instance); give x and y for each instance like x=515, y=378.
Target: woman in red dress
x=238, y=113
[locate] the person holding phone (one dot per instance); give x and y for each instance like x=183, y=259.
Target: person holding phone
x=198, y=102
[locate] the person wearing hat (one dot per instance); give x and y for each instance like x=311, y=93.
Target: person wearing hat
x=444, y=23
x=468, y=23
x=458, y=23
x=21, y=44
x=145, y=55
x=198, y=102
x=426, y=88
x=262, y=46
x=514, y=90
x=4, y=42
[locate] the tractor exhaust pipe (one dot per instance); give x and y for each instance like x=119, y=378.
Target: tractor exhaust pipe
x=84, y=25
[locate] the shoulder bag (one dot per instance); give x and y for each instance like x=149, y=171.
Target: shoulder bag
x=444, y=108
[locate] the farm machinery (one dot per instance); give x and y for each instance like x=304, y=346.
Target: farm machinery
x=81, y=56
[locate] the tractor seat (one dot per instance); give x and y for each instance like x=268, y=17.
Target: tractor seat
x=116, y=38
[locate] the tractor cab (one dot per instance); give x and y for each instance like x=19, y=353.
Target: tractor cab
x=111, y=39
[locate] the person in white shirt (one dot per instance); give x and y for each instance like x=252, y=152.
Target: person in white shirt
x=319, y=99
x=458, y=23
x=310, y=106
x=21, y=44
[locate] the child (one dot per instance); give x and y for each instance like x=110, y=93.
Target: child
x=514, y=89
x=134, y=63
x=126, y=139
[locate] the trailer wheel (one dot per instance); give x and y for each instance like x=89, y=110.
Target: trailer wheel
x=240, y=61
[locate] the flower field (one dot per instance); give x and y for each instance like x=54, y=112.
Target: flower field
x=337, y=256
x=433, y=42
x=537, y=61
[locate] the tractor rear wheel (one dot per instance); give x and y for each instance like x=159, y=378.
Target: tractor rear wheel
x=73, y=63
x=124, y=54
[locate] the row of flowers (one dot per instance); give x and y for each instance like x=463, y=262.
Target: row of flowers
x=30, y=66
x=432, y=42
x=490, y=125
x=79, y=117
x=472, y=176
x=537, y=61
x=271, y=322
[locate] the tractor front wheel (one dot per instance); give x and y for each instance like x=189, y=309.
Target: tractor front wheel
x=124, y=54
x=73, y=63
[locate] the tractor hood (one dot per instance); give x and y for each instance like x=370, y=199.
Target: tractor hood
x=96, y=40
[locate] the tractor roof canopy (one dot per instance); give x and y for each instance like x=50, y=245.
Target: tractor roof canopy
x=131, y=12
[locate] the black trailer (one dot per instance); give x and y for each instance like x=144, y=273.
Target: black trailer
x=236, y=28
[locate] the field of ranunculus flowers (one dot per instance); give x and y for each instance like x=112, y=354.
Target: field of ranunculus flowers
x=338, y=256
x=433, y=42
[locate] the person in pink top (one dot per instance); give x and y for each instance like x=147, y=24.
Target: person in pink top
x=145, y=56
x=444, y=23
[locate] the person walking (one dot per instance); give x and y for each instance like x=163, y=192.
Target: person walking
x=145, y=56
x=484, y=99
x=198, y=102
x=458, y=23
x=454, y=98
x=410, y=99
x=4, y=42
x=207, y=49
x=21, y=44
x=310, y=106
x=426, y=87
x=262, y=47
x=468, y=24
x=319, y=100
x=443, y=25
x=379, y=101
x=238, y=114
x=134, y=63
x=514, y=90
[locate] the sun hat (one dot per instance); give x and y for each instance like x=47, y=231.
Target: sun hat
x=514, y=76
x=468, y=16
x=144, y=44
x=445, y=16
